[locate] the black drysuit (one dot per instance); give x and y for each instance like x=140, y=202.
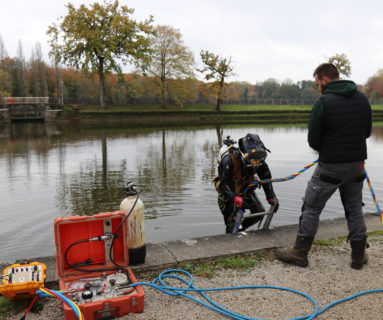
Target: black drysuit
x=230, y=187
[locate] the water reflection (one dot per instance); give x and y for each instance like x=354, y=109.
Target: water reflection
x=49, y=171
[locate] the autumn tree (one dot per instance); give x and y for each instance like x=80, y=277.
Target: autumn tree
x=342, y=63
x=183, y=91
x=96, y=38
x=135, y=87
x=287, y=90
x=5, y=83
x=266, y=89
x=238, y=90
x=216, y=68
x=374, y=86
x=5, y=76
x=170, y=59
x=308, y=90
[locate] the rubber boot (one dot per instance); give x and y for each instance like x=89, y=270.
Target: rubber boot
x=298, y=255
x=358, y=255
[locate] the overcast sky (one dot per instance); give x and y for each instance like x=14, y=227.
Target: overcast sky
x=278, y=39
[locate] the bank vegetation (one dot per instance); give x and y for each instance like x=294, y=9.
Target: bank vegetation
x=92, y=46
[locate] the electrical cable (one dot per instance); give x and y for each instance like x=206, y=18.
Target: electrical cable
x=293, y=176
x=290, y=177
x=44, y=292
x=67, y=250
x=75, y=266
x=29, y=308
x=47, y=292
x=159, y=283
x=374, y=197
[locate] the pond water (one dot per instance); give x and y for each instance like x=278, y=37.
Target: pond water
x=51, y=171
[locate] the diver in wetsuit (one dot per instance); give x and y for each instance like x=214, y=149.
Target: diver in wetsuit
x=237, y=169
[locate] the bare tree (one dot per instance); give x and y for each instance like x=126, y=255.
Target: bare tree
x=38, y=71
x=20, y=80
x=54, y=55
x=219, y=69
x=59, y=92
x=3, y=54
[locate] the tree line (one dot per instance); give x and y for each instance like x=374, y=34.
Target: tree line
x=91, y=44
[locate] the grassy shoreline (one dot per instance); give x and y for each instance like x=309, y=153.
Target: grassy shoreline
x=204, y=108
x=200, y=114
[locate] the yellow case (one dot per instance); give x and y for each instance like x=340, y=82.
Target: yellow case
x=21, y=281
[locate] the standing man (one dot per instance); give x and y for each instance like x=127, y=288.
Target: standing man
x=339, y=125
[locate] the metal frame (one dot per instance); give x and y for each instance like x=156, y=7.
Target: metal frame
x=268, y=214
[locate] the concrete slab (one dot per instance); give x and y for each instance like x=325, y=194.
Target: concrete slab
x=158, y=254
x=221, y=245
x=170, y=253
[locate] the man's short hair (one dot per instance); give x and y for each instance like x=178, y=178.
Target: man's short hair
x=327, y=70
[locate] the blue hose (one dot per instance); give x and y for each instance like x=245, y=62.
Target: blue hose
x=159, y=283
x=332, y=304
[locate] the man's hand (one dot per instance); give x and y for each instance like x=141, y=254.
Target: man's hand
x=274, y=202
x=238, y=201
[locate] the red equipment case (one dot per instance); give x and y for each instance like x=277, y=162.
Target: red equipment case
x=69, y=232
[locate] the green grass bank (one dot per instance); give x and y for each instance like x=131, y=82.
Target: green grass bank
x=142, y=114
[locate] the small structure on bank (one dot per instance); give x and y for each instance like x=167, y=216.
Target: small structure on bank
x=26, y=108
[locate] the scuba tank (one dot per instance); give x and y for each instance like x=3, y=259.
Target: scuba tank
x=136, y=232
x=227, y=144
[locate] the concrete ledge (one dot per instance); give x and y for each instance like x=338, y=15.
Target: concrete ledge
x=171, y=253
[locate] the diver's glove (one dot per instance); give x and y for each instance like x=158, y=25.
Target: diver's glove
x=274, y=202
x=238, y=201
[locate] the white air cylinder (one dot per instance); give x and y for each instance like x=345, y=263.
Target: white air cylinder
x=136, y=232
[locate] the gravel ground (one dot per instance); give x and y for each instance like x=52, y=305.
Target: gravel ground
x=327, y=279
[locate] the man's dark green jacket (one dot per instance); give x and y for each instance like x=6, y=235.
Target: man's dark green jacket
x=340, y=122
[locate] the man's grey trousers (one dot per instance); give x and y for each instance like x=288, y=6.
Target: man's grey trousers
x=326, y=179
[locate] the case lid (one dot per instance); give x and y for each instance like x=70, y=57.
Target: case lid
x=73, y=248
